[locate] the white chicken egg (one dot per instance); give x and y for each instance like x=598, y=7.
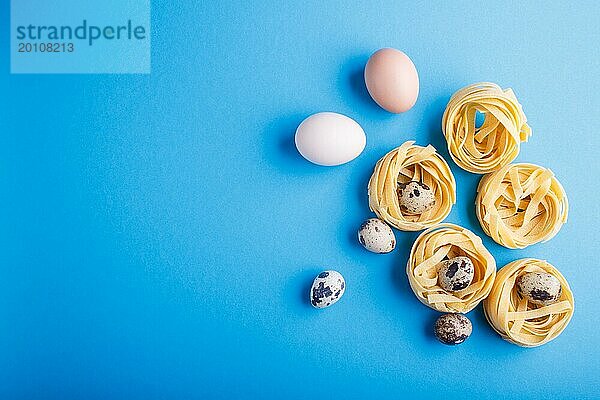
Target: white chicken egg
x=328, y=138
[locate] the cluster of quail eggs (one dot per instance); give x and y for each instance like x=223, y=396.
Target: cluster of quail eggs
x=454, y=274
x=376, y=236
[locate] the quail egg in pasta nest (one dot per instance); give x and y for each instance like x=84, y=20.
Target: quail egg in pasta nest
x=539, y=288
x=415, y=197
x=456, y=273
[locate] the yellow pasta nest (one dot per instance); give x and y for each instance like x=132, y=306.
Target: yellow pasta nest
x=430, y=249
x=497, y=141
x=520, y=205
x=519, y=321
x=406, y=163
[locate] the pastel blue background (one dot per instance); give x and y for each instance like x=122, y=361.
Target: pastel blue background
x=159, y=232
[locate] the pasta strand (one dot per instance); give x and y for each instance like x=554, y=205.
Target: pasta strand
x=497, y=141
x=520, y=205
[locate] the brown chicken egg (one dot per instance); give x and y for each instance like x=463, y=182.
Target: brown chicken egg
x=392, y=80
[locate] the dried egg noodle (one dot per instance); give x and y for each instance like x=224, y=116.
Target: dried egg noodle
x=519, y=321
x=426, y=255
x=497, y=141
x=407, y=163
x=521, y=204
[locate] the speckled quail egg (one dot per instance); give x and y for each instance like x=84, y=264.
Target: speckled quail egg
x=453, y=328
x=456, y=273
x=415, y=197
x=327, y=288
x=539, y=288
x=376, y=236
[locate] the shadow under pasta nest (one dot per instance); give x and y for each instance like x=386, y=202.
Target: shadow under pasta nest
x=398, y=270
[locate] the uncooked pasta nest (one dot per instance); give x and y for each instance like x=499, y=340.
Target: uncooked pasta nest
x=515, y=318
x=521, y=204
x=443, y=242
x=497, y=141
x=404, y=164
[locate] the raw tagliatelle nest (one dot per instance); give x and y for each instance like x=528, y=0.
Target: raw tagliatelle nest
x=521, y=204
x=406, y=163
x=515, y=318
x=497, y=141
x=442, y=242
